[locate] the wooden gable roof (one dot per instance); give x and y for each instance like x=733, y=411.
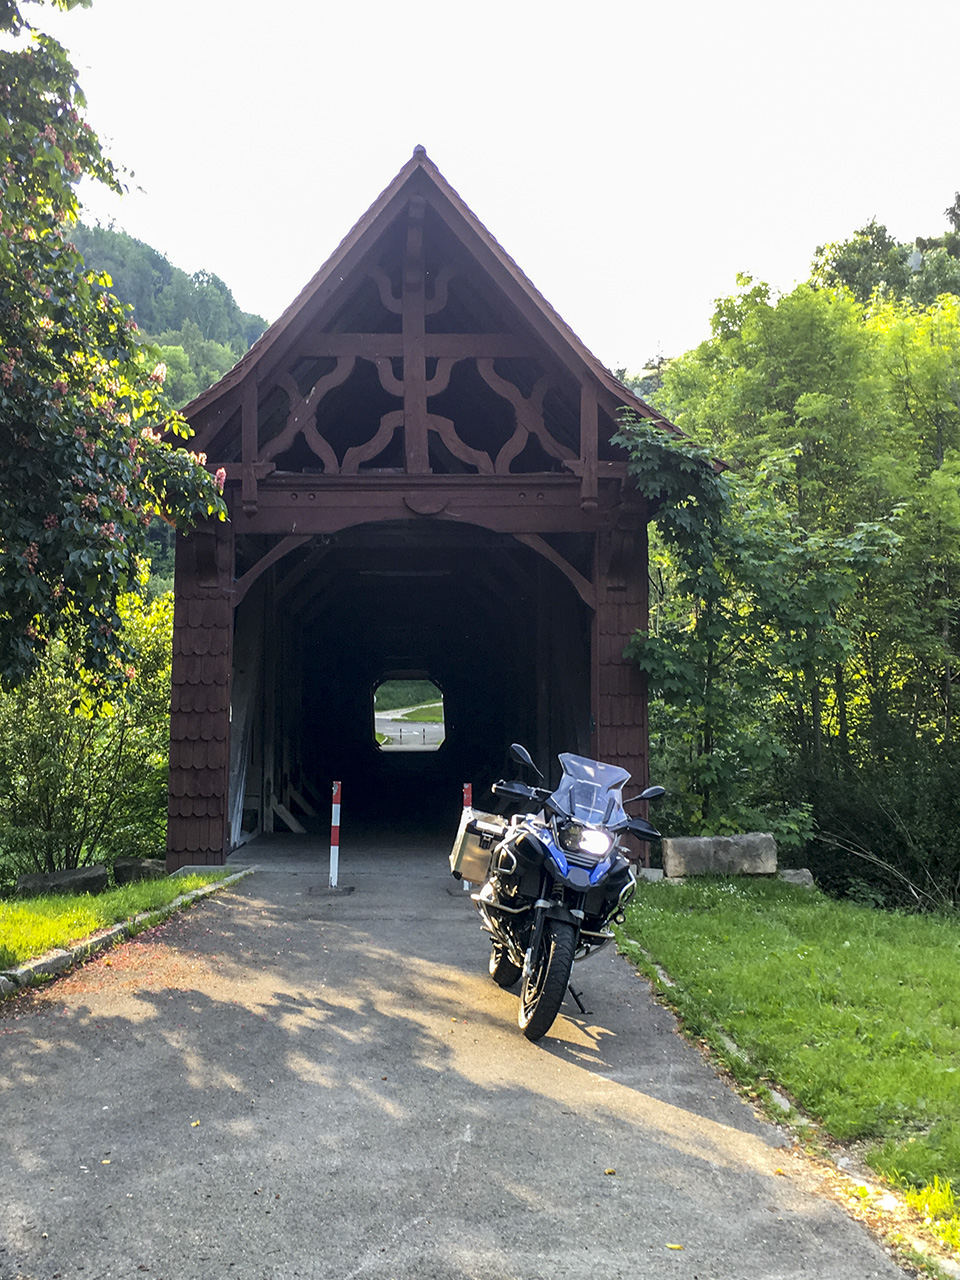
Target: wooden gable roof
x=419, y=347
x=421, y=177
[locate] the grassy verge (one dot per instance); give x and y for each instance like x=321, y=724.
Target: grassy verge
x=429, y=713
x=853, y=1012
x=31, y=926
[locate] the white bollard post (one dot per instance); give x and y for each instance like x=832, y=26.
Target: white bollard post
x=335, y=837
x=467, y=804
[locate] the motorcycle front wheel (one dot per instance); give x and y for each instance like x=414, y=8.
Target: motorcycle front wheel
x=542, y=992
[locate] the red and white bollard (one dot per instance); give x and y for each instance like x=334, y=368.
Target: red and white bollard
x=467, y=804
x=335, y=837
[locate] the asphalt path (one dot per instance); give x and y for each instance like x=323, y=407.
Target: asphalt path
x=283, y=1083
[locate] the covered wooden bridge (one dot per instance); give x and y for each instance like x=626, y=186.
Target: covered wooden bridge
x=421, y=483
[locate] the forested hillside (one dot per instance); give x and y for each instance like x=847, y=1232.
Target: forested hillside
x=193, y=319
x=804, y=642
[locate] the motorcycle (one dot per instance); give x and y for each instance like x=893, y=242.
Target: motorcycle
x=551, y=881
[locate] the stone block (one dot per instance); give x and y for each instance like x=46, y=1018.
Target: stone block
x=801, y=876
x=127, y=870
x=78, y=880
x=752, y=854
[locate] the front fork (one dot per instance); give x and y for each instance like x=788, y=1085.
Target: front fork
x=548, y=909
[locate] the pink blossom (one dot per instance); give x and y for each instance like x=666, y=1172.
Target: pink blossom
x=51, y=522
x=221, y=478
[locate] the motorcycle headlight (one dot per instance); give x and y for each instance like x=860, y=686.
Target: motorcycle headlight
x=577, y=838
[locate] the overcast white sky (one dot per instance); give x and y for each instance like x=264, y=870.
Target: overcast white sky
x=632, y=157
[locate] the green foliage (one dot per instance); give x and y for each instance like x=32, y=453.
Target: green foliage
x=194, y=320
x=678, y=478
x=802, y=642
x=872, y=264
x=162, y=296
x=85, y=428
x=938, y=1205
x=31, y=926
x=404, y=693
x=856, y=1013
x=193, y=362
x=83, y=763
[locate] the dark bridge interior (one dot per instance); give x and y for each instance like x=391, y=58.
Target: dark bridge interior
x=495, y=625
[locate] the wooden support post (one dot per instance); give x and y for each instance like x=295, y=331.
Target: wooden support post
x=269, y=722
x=248, y=436
x=415, y=431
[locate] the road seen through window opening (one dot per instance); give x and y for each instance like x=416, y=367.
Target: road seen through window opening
x=408, y=715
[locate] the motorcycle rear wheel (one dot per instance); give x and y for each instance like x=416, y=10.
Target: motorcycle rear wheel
x=542, y=992
x=502, y=969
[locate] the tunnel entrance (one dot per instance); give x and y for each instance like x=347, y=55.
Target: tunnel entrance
x=498, y=630
x=424, y=481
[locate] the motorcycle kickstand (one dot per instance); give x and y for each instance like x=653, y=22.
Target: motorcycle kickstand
x=580, y=1005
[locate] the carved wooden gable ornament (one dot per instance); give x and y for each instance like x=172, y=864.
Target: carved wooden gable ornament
x=418, y=349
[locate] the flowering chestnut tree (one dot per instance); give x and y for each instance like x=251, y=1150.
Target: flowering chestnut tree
x=89, y=448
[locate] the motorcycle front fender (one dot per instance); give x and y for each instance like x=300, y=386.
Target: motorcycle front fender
x=559, y=911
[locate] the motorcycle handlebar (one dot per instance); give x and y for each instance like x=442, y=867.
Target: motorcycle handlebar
x=518, y=789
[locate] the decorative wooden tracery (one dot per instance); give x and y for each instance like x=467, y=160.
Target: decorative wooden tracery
x=418, y=377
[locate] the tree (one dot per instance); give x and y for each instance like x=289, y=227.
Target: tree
x=164, y=297
x=803, y=648
x=871, y=263
x=87, y=436
x=83, y=768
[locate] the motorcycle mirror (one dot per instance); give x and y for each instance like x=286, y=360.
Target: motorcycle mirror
x=651, y=793
x=523, y=755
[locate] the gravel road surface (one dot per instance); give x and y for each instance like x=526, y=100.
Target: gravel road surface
x=283, y=1083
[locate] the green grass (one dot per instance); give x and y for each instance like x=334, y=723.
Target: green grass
x=939, y=1206
x=31, y=926
x=428, y=713
x=854, y=1012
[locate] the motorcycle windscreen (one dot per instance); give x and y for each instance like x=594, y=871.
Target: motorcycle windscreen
x=590, y=791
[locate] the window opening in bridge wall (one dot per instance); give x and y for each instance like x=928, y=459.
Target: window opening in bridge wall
x=408, y=714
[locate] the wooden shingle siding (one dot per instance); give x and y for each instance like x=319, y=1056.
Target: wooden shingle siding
x=200, y=700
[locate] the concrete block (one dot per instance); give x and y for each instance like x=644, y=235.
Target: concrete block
x=752, y=854
x=801, y=876
x=653, y=874
x=50, y=965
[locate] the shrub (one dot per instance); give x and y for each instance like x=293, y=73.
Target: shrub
x=83, y=766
